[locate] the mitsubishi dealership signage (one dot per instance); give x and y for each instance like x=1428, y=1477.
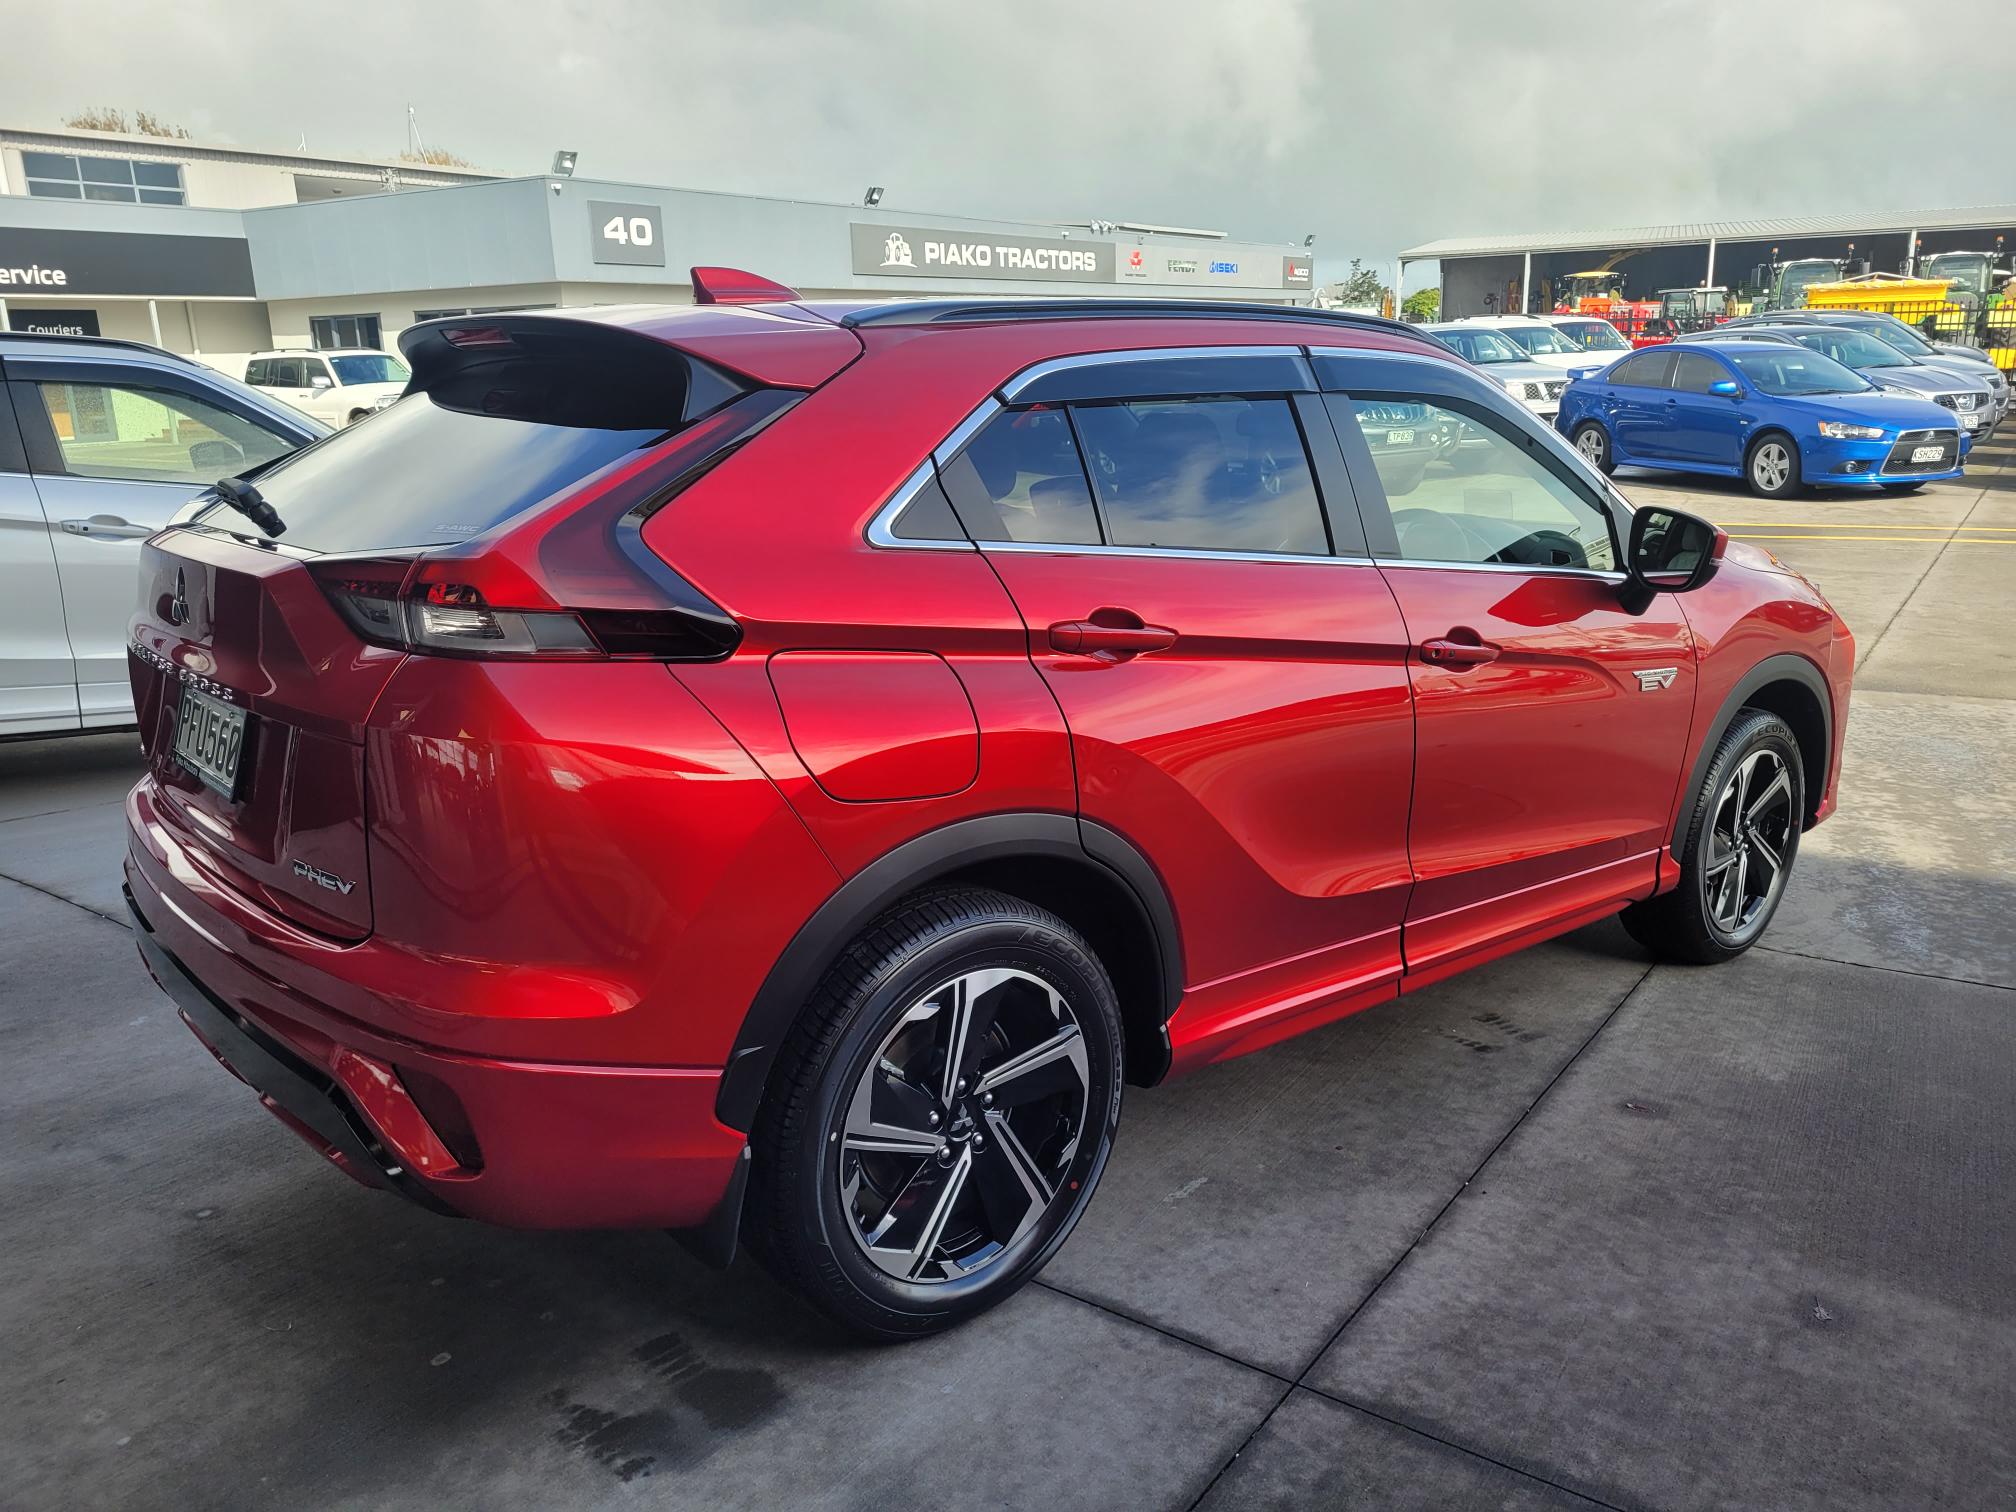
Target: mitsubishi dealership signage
x=881, y=251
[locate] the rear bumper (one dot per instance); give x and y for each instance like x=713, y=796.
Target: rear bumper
x=523, y=1144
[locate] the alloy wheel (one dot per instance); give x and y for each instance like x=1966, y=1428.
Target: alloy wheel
x=1772, y=466
x=1744, y=869
x=956, y=1141
x=1590, y=444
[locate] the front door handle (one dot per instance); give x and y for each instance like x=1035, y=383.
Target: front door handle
x=1110, y=634
x=107, y=528
x=1458, y=650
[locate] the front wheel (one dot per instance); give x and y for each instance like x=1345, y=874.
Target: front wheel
x=1773, y=468
x=940, y=1115
x=1742, y=838
x=1593, y=442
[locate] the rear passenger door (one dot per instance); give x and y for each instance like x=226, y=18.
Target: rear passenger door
x=1180, y=536
x=115, y=450
x=1550, y=719
x=1634, y=404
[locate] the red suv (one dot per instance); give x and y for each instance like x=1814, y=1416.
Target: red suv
x=774, y=770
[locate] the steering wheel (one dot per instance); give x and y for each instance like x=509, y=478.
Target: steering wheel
x=1428, y=535
x=1543, y=548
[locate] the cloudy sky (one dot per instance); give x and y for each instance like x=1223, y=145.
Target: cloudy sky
x=1373, y=126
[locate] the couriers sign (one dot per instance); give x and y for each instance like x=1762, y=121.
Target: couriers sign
x=931, y=252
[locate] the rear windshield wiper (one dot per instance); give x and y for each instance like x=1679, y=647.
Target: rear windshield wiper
x=248, y=501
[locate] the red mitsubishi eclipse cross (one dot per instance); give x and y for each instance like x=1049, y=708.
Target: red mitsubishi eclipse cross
x=772, y=770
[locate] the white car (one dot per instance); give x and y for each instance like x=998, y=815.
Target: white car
x=337, y=387
x=1536, y=385
x=1539, y=339
x=1598, y=340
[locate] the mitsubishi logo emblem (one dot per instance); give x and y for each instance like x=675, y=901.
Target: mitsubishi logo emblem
x=178, y=606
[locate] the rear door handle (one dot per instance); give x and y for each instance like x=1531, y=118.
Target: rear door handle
x=1110, y=633
x=107, y=528
x=1458, y=653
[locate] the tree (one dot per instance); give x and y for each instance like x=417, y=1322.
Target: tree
x=105, y=118
x=1361, y=287
x=1422, y=304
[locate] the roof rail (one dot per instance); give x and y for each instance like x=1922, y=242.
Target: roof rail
x=102, y=341
x=957, y=311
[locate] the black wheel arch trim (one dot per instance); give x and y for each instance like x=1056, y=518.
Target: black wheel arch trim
x=937, y=853
x=1784, y=667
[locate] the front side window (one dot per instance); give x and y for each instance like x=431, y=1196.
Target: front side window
x=1478, y=344
x=1203, y=474
x=1646, y=370
x=370, y=367
x=1538, y=341
x=1596, y=336
x=150, y=435
x=1695, y=374
x=123, y=181
x=1463, y=490
x=331, y=331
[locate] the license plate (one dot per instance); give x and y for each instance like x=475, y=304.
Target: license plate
x=210, y=740
x=1928, y=454
x=1399, y=438
x=1968, y=422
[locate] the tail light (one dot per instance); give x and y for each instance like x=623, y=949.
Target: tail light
x=569, y=577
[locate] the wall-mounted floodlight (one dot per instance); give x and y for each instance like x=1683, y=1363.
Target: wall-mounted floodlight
x=873, y=197
x=1309, y=240
x=563, y=163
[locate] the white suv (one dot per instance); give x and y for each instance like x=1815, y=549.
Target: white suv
x=337, y=387
x=1537, y=338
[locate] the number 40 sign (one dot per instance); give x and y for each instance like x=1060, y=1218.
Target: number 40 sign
x=623, y=233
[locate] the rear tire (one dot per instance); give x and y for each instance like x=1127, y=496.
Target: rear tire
x=901, y=1186
x=1732, y=875
x=1593, y=442
x=1772, y=468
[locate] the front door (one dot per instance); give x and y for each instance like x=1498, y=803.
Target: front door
x=38, y=684
x=115, y=453
x=1236, y=693
x=1708, y=427
x=1550, y=720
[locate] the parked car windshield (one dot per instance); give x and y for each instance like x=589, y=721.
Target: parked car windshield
x=1538, y=339
x=1479, y=345
x=1595, y=336
x=1851, y=348
x=370, y=367
x=1793, y=371
x=1893, y=332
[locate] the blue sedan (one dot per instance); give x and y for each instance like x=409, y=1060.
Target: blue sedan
x=1778, y=416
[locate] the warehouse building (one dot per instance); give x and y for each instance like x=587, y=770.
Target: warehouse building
x=217, y=253
x=1488, y=275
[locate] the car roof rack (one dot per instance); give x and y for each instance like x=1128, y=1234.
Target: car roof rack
x=100, y=341
x=959, y=311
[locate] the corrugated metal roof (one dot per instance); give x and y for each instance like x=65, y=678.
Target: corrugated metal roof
x=1899, y=222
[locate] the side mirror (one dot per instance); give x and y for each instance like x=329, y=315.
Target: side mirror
x=321, y=381
x=1728, y=388
x=215, y=458
x=1671, y=552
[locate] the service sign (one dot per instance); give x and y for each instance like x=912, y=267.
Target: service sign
x=883, y=251
x=74, y=263
x=632, y=235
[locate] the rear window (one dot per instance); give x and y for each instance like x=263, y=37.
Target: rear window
x=477, y=446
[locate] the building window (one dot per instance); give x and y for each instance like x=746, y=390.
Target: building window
x=124, y=181
x=331, y=331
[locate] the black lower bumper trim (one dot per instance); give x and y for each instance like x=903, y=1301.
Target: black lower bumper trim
x=273, y=1070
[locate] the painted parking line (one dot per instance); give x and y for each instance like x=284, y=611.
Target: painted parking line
x=1860, y=525
x=1957, y=540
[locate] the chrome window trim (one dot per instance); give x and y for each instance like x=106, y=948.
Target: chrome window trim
x=1177, y=553
x=966, y=430
x=881, y=529
x=1015, y=385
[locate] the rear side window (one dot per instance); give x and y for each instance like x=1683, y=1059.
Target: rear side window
x=1021, y=479
x=1208, y=474
x=481, y=443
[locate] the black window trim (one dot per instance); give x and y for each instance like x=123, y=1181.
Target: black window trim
x=1338, y=496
